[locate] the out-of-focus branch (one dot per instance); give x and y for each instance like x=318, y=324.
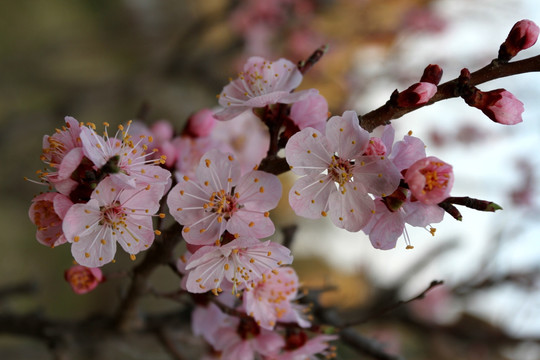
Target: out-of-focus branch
x=450, y=89
x=159, y=254
x=382, y=311
x=25, y=288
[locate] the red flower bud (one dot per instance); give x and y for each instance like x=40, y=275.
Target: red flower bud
x=432, y=74
x=416, y=94
x=522, y=36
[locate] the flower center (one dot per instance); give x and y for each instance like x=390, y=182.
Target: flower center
x=434, y=177
x=341, y=170
x=223, y=203
x=81, y=280
x=114, y=215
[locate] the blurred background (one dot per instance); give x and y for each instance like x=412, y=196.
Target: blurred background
x=100, y=60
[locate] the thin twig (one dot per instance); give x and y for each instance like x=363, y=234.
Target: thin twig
x=392, y=307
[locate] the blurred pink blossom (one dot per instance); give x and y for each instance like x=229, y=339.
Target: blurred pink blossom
x=83, y=279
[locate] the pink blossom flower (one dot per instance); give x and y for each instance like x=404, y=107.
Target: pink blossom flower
x=310, y=112
x=113, y=215
x=394, y=211
x=220, y=199
x=337, y=175
x=522, y=36
x=83, y=279
x=261, y=83
x=270, y=299
x=430, y=180
x=417, y=94
x=499, y=105
x=240, y=262
x=299, y=347
x=244, y=339
x=47, y=212
x=386, y=226
x=62, y=153
x=126, y=161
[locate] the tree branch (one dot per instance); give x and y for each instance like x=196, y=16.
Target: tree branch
x=159, y=254
x=450, y=89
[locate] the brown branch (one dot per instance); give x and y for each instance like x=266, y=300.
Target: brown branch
x=159, y=254
x=450, y=89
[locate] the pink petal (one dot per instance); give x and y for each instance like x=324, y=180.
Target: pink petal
x=61, y=205
x=231, y=112
x=310, y=112
x=186, y=200
x=309, y=195
x=345, y=135
x=307, y=152
x=388, y=228
x=253, y=224
x=419, y=214
x=378, y=175
x=259, y=191
x=220, y=170
x=70, y=162
x=352, y=209
x=205, y=231
x=407, y=152
x=93, y=146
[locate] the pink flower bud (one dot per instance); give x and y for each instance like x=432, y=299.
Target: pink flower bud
x=416, y=94
x=432, y=74
x=499, y=105
x=522, y=36
x=83, y=279
x=201, y=123
x=430, y=180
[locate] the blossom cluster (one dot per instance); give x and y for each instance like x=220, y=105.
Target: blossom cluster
x=106, y=191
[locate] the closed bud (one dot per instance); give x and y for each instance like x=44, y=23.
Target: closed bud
x=417, y=94
x=499, y=105
x=522, y=36
x=432, y=74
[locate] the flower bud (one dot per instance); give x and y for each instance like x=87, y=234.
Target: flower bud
x=430, y=180
x=522, y=36
x=499, y=105
x=432, y=74
x=83, y=279
x=416, y=94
